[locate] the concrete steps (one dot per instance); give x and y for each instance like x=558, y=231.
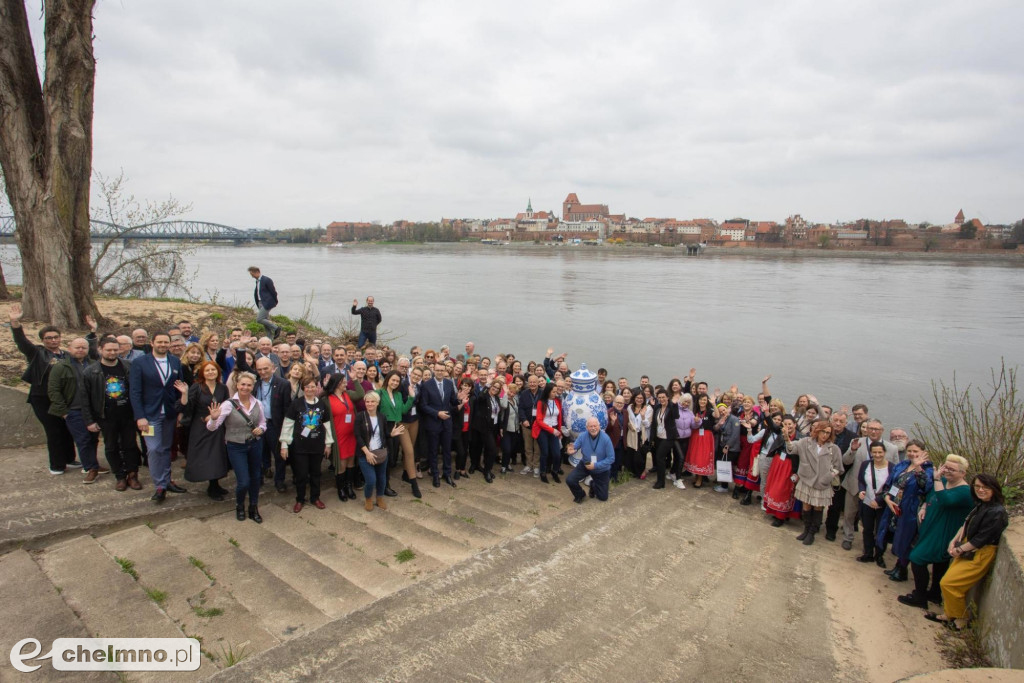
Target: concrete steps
x=242, y=588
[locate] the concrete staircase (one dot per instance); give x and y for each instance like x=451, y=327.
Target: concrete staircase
x=242, y=588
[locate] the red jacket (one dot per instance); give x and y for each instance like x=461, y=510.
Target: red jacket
x=539, y=423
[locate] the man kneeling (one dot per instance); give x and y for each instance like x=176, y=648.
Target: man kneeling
x=597, y=457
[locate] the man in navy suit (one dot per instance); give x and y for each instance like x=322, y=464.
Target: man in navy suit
x=266, y=299
x=155, y=388
x=438, y=403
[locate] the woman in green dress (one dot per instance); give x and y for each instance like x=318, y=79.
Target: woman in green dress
x=941, y=516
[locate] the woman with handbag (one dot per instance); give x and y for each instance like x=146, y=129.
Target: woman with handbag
x=485, y=422
x=395, y=405
x=372, y=432
x=820, y=463
x=871, y=478
x=547, y=430
x=244, y=424
x=973, y=550
x=781, y=473
x=306, y=437
x=700, y=455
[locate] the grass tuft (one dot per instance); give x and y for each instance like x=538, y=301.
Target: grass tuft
x=233, y=542
x=207, y=613
x=128, y=567
x=403, y=556
x=156, y=595
x=201, y=566
x=231, y=657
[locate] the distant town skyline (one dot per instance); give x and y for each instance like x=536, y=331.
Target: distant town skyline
x=271, y=116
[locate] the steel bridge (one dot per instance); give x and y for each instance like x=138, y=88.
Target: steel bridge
x=164, y=230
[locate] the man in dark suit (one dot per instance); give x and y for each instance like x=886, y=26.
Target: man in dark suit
x=155, y=388
x=438, y=403
x=273, y=393
x=266, y=299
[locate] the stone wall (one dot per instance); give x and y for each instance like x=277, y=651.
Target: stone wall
x=18, y=424
x=1000, y=601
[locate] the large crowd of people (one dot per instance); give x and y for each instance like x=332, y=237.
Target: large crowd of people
x=221, y=400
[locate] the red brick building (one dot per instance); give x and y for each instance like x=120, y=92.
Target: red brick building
x=572, y=210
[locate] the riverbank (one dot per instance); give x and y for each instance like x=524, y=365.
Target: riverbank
x=121, y=316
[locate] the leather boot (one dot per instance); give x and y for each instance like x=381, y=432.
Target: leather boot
x=747, y=497
x=815, y=525
x=339, y=483
x=806, y=517
x=254, y=514
x=899, y=573
x=350, y=486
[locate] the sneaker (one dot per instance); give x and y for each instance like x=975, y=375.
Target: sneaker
x=671, y=477
x=586, y=482
x=536, y=471
x=679, y=484
x=53, y=471
x=90, y=476
x=527, y=470
x=721, y=489
x=75, y=465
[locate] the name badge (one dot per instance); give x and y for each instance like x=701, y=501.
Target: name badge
x=305, y=432
x=348, y=419
x=700, y=432
x=782, y=456
x=894, y=490
x=533, y=412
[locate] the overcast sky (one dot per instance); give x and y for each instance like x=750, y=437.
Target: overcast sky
x=288, y=114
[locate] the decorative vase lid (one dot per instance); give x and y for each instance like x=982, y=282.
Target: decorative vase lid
x=583, y=380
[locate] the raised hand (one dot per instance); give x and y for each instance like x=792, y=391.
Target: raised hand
x=214, y=411
x=766, y=378
x=693, y=373
x=91, y=323
x=181, y=387
x=15, y=313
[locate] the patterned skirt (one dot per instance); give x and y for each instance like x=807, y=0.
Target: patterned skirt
x=700, y=456
x=741, y=470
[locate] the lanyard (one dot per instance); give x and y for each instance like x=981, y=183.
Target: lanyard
x=164, y=376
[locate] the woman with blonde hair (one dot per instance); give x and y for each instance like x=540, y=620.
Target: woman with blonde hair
x=943, y=512
x=297, y=375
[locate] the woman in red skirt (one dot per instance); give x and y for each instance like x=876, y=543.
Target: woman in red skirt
x=700, y=455
x=343, y=412
x=750, y=426
x=778, y=491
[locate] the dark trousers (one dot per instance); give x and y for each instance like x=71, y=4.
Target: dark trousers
x=869, y=517
x=679, y=456
x=509, y=444
x=271, y=452
x=59, y=444
x=835, y=511
x=635, y=461
x=662, y=452
x=247, y=462
x=119, y=443
x=307, y=471
x=440, y=437
x=488, y=443
x=85, y=440
x=461, y=443
x=550, y=449
x=922, y=590
x=598, y=481
x=367, y=336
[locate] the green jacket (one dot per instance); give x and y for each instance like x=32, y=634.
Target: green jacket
x=394, y=411
x=65, y=388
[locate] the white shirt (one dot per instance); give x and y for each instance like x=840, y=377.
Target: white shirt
x=376, y=439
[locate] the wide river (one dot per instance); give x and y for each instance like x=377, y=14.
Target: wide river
x=848, y=330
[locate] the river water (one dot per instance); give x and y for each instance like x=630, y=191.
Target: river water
x=849, y=330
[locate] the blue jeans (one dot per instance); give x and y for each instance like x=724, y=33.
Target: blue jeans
x=159, y=448
x=598, y=484
x=246, y=460
x=367, y=337
x=85, y=440
x=375, y=477
x=550, y=451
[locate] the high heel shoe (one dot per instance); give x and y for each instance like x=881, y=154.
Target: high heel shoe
x=415, y=489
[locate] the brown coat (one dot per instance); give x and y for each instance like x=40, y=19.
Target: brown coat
x=817, y=471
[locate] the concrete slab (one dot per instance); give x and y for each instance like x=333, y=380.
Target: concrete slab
x=432, y=518
x=409, y=534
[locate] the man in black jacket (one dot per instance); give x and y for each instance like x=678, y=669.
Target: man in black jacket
x=59, y=444
x=273, y=392
x=107, y=409
x=370, y=317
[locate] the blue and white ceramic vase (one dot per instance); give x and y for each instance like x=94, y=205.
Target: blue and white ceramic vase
x=583, y=402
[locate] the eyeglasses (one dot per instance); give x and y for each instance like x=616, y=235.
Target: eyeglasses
x=52, y=337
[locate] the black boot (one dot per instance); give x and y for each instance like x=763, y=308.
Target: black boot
x=254, y=514
x=806, y=517
x=899, y=573
x=415, y=488
x=388, y=491
x=746, y=497
x=735, y=492
x=240, y=513
x=339, y=483
x=815, y=526
x=350, y=478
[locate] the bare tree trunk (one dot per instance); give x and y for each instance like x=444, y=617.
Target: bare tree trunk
x=46, y=154
x=5, y=294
